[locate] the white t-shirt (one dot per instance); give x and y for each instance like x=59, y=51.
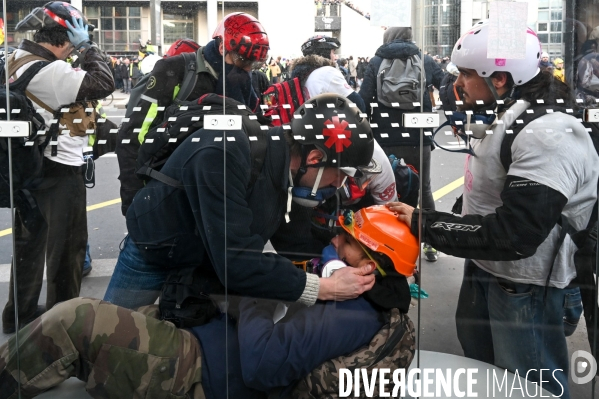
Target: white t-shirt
x=382, y=186
x=57, y=84
x=326, y=79
x=554, y=150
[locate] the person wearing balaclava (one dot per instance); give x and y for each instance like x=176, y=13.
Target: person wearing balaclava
x=399, y=43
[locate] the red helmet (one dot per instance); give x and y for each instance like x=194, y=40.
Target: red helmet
x=52, y=14
x=243, y=34
x=182, y=46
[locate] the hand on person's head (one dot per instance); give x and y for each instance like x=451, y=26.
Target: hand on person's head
x=77, y=31
x=346, y=283
x=404, y=212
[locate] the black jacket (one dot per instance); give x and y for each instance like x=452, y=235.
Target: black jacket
x=200, y=226
x=434, y=75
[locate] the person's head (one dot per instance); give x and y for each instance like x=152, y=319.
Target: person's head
x=375, y=236
x=50, y=25
x=328, y=141
x=545, y=57
x=243, y=41
x=397, y=33
x=559, y=63
x=126, y=61
x=324, y=46
x=182, y=46
x=478, y=74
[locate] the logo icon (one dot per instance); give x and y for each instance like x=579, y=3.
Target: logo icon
x=582, y=363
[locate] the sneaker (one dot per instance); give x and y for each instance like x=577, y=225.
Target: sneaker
x=86, y=270
x=430, y=253
x=9, y=328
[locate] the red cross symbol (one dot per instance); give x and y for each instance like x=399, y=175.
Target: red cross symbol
x=337, y=136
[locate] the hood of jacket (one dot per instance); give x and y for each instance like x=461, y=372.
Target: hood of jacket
x=397, y=49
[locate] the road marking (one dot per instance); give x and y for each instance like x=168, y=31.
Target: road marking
x=89, y=208
x=443, y=191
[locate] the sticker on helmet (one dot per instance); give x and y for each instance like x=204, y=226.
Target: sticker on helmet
x=151, y=83
x=368, y=241
x=337, y=135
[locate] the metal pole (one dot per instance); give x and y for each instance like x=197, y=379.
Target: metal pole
x=12, y=203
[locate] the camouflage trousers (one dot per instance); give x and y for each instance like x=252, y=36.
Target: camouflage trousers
x=118, y=352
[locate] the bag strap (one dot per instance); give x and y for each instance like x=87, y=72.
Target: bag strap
x=15, y=64
x=190, y=79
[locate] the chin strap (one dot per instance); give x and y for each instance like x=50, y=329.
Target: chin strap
x=289, y=198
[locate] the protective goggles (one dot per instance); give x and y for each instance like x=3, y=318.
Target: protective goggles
x=349, y=224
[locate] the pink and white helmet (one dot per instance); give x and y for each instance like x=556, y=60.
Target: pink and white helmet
x=470, y=52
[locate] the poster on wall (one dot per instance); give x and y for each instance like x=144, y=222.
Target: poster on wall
x=391, y=13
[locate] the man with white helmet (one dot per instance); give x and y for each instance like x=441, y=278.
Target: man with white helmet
x=511, y=307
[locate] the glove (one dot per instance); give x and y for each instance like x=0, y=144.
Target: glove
x=77, y=32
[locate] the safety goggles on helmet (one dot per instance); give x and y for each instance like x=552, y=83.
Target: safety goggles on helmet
x=469, y=125
x=52, y=14
x=319, y=42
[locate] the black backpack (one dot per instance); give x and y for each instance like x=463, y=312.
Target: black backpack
x=585, y=257
x=27, y=152
x=187, y=86
x=181, y=120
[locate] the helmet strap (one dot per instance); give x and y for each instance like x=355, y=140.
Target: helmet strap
x=492, y=88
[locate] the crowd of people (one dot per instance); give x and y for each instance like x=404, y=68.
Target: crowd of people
x=317, y=185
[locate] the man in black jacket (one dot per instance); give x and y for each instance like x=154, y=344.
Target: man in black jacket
x=399, y=44
x=168, y=74
x=218, y=222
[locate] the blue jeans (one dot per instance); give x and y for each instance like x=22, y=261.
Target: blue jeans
x=135, y=282
x=88, y=258
x=507, y=324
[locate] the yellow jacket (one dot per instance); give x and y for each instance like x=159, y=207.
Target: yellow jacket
x=560, y=74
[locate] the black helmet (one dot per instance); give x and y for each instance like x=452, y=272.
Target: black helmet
x=333, y=124
x=52, y=14
x=320, y=45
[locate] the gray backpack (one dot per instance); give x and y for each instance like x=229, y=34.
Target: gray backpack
x=398, y=82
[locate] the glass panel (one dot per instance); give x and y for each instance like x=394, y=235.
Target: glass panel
x=120, y=11
x=120, y=24
x=134, y=11
x=91, y=12
x=197, y=226
x=107, y=24
x=107, y=11
x=134, y=24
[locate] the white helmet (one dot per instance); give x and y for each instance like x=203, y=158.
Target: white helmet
x=470, y=52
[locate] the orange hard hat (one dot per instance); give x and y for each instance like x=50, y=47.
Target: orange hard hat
x=378, y=229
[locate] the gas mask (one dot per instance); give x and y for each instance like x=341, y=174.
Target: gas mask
x=315, y=196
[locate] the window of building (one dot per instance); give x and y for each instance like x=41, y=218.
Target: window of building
x=117, y=28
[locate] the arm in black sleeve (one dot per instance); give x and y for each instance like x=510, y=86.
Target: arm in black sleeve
x=355, y=97
x=434, y=73
x=529, y=212
x=98, y=81
x=368, y=88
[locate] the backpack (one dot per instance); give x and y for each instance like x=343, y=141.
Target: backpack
x=398, y=82
x=282, y=100
x=187, y=86
x=183, y=120
x=585, y=257
x=392, y=347
x=27, y=153
x=406, y=181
